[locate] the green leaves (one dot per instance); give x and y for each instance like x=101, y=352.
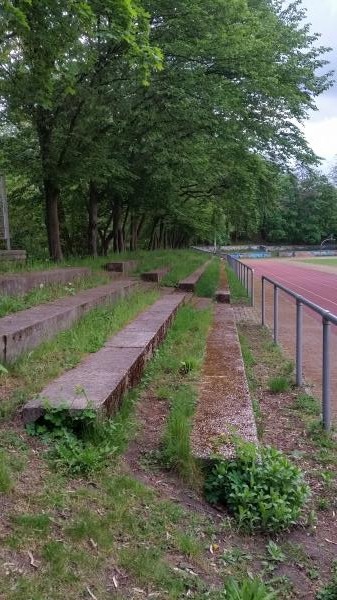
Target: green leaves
x=260, y=487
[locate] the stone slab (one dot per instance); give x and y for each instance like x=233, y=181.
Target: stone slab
x=17, y=284
x=102, y=378
x=26, y=329
x=155, y=276
x=224, y=405
x=13, y=255
x=223, y=296
x=122, y=267
x=188, y=284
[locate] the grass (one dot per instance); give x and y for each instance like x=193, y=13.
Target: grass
x=175, y=371
x=49, y=292
x=278, y=384
x=74, y=528
x=209, y=281
x=238, y=291
x=180, y=262
x=332, y=262
x=35, y=369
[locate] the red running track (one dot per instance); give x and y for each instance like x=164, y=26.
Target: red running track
x=315, y=285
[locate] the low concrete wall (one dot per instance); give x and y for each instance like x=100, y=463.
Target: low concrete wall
x=17, y=284
x=107, y=374
x=27, y=329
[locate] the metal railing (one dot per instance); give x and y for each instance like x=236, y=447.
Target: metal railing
x=328, y=319
x=245, y=275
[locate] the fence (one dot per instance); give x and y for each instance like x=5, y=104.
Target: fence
x=245, y=275
x=328, y=319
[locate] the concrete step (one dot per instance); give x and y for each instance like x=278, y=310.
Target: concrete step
x=102, y=378
x=189, y=283
x=24, y=330
x=16, y=284
x=156, y=275
x=224, y=406
x=127, y=266
x=223, y=296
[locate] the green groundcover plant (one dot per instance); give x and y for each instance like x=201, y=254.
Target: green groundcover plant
x=260, y=487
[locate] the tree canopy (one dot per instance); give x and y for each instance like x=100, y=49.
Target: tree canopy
x=129, y=121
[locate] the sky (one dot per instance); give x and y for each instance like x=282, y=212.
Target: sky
x=321, y=129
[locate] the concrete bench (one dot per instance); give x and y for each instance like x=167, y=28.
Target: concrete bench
x=27, y=329
x=104, y=376
x=17, y=284
x=223, y=296
x=122, y=267
x=155, y=276
x=13, y=255
x=224, y=405
x=189, y=284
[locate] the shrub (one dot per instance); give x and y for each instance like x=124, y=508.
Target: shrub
x=260, y=487
x=248, y=589
x=80, y=442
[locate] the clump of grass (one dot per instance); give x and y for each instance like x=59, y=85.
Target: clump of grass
x=238, y=291
x=307, y=404
x=209, y=280
x=278, y=384
x=5, y=474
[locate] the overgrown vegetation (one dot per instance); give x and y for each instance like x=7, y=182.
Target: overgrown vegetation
x=33, y=370
x=209, y=280
x=238, y=291
x=260, y=487
x=48, y=292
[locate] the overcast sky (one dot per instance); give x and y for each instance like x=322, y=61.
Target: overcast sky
x=321, y=130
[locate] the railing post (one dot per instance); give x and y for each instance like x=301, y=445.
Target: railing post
x=252, y=287
x=275, y=314
x=326, y=375
x=263, y=303
x=299, y=343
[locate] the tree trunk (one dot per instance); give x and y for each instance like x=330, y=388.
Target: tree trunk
x=93, y=218
x=52, y=194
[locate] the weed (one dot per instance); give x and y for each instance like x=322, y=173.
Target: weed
x=188, y=544
x=307, y=404
x=329, y=592
x=275, y=553
x=208, y=282
x=235, y=556
x=238, y=291
x=248, y=589
x=5, y=474
x=260, y=487
x=278, y=384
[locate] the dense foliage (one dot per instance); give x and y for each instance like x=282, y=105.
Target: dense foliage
x=133, y=120
x=260, y=487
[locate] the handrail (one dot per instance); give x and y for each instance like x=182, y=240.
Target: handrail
x=245, y=274
x=327, y=319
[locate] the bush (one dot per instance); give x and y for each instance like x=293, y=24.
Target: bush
x=260, y=487
x=80, y=443
x=248, y=589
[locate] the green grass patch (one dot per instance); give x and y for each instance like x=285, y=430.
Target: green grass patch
x=308, y=404
x=332, y=262
x=48, y=292
x=278, y=384
x=5, y=473
x=209, y=280
x=186, y=341
x=238, y=291
x=35, y=369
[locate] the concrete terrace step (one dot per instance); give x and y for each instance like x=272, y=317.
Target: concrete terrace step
x=223, y=296
x=103, y=377
x=24, y=330
x=122, y=267
x=15, y=284
x=155, y=276
x=188, y=284
x=224, y=405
